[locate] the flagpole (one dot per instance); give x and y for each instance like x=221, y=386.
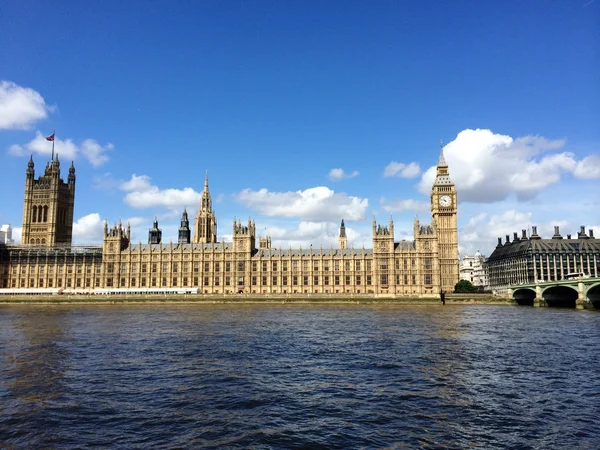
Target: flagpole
x=53, y=139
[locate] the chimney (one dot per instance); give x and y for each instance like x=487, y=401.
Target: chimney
x=591, y=234
x=499, y=242
x=515, y=237
x=507, y=239
x=534, y=234
x=581, y=234
x=523, y=234
x=556, y=233
x=568, y=236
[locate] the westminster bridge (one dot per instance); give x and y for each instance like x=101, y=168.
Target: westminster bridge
x=580, y=293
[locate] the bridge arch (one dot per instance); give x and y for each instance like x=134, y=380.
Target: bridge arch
x=564, y=296
x=593, y=295
x=524, y=296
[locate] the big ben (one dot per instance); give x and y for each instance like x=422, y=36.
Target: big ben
x=443, y=212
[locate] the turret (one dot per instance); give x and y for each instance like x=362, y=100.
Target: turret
x=71, y=177
x=184, y=229
x=30, y=173
x=155, y=233
x=342, y=239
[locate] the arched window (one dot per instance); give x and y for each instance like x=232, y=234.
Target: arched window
x=34, y=214
x=40, y=213
x=45, y=213
x=43, y=241
x=37, y=241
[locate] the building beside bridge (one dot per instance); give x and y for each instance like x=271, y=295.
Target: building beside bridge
x=533, y=259
x=249, y=264
x=473, y=268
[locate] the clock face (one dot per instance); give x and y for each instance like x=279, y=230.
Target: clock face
x=445, y=200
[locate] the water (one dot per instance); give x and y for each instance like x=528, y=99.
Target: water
x=298, y=376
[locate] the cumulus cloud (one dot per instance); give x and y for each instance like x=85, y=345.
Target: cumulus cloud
x=588, y=168
x=397, y=169
x=400, y=205
x=489, y=167
x=88, y=229
x=482, y=231
x=20, y=107
x=16, y=235
x=310, y=233
x=142, y=194
x=339, y=174
x=66, y=149
x=313, y=204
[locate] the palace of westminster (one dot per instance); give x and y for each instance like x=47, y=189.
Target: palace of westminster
x=46, y=258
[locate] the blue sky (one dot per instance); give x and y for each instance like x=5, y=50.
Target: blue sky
x=270, y=97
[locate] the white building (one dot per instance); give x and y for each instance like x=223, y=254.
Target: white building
x=6, y=234
x=474, y=269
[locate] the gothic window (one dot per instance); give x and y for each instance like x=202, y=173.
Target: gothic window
x=45, y=213
x=426, y=246
x=34, y=214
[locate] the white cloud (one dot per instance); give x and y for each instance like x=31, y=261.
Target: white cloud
x=88, y=229
x=482, y=231
x=137, y=183
x=489, y=167
x=94, y=152
x=20, y=107
x=313, y=204
x=16, y=235
x=396, y=206
x=339, y=174
x=142, y=194
x=588, y=167
x=65, y=149
x=310, y=233
x=402, y=170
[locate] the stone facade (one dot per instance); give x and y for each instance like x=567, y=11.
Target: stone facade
x=531, y=259
x=423, y=266
x=48, y=206
x=473, y=268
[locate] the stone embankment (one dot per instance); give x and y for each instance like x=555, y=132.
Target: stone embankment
x=451, y=299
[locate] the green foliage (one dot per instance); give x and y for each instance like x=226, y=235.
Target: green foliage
x=464, y=286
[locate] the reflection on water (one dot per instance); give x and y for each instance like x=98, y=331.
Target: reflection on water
x=298, y=376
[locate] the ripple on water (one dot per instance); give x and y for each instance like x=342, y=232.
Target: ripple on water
x=298, y=376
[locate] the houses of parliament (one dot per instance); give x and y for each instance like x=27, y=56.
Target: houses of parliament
x=47, y=259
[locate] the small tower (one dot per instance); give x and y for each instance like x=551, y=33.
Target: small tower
x=155, y=233
x=244, y=236
x=184, y=229
x=342, y=239
x=264, y=242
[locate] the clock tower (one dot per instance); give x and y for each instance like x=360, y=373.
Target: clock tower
x=443, y=212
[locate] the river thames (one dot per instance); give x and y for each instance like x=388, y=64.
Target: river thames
x=298, y=376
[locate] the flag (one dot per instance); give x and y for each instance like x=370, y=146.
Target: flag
x=50, y=138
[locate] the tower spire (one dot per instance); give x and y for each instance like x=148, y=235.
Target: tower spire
x=442, y=161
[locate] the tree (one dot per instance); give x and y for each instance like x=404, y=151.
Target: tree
x=464, y=286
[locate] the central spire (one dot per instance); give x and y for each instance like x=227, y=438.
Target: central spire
x=205, y=227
